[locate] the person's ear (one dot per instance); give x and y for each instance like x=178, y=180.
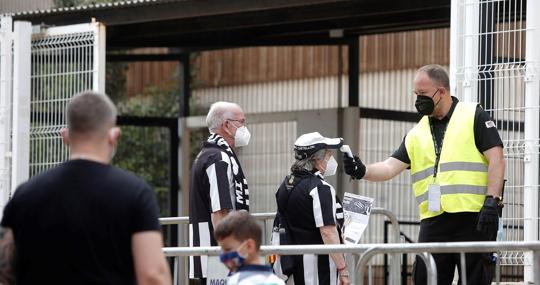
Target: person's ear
x=443, y=91
x=225, y=126
x=251, y=246
x=64, y=133
x=114, y=134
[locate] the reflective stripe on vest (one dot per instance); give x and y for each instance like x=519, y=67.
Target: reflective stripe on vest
x=455, y=189
x=449, y=166
x=462, y=172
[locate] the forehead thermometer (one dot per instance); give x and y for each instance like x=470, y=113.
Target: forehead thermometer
x=346, y=149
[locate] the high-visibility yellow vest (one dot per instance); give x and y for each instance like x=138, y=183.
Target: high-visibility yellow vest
x=462, y=171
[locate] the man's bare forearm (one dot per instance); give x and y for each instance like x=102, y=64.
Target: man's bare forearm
x=384, y=170
x=7, y=256
x=496, y=168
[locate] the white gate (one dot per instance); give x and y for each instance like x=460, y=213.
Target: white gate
x=14, y=84
x=495, y=59
x=6, y=64
x=65, y=60
x=39, y=73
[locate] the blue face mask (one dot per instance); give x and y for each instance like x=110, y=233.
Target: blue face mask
x=233, y=259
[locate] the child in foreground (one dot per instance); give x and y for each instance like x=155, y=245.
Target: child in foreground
x=239, y=236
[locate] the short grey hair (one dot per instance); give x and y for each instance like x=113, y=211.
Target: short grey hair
x=437, y=74
x=309, y=162
x=90, y=112
x=219, y=113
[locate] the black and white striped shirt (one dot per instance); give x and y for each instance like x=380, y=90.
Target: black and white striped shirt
x=311, y=204
x=212, y=188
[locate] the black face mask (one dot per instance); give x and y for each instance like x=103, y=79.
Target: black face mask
x=424, y=104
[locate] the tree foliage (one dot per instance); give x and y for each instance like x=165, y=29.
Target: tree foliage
x=146, y=150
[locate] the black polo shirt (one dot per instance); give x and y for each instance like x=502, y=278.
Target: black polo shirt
x=486, y=134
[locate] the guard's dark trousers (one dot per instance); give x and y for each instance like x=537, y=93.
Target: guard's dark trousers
x=454, y=227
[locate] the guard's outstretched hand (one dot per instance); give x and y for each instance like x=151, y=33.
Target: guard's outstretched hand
x=354, y=166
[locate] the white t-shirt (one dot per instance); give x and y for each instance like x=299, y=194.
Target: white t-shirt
x=254, y=274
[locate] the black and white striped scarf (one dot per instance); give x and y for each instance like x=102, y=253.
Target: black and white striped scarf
x=240, y=183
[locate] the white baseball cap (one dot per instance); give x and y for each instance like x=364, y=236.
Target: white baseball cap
x=308, y=144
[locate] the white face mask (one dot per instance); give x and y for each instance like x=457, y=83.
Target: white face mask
x=242, y=136
x=331, y=167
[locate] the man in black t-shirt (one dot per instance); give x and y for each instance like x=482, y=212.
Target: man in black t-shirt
x=457, y=171
x=217, y=184
x=84, y=221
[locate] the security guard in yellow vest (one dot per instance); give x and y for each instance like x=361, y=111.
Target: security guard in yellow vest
x=457, y=167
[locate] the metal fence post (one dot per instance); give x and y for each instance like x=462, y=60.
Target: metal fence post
x=21, y=103
x=6, y=64
x=536, y=266
x=175, y=272
x=98, y=80
x=351, y=261
x=395, y=262
x=498, y=269
x=463, y=264
x=362, y=261
x=531, y=159
x=431, y=268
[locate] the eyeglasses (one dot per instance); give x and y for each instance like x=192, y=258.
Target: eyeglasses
x=424, y=93
x=243, y=121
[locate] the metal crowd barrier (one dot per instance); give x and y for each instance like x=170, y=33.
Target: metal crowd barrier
x=367, y=251
x=395, y=262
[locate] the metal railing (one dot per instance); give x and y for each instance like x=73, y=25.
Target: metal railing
x=395, y=262
x=367, y=251
x=265, y=217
